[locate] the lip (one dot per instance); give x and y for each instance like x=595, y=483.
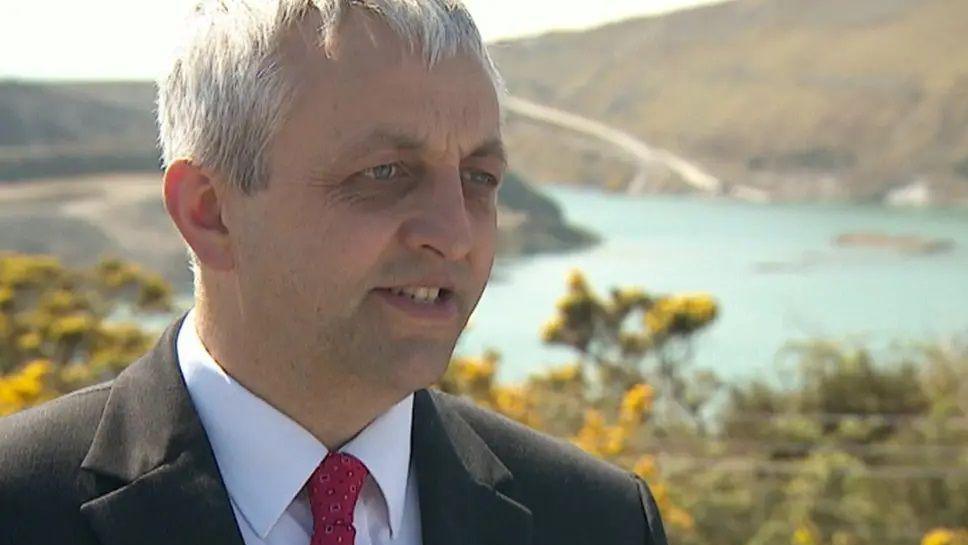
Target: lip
x=442, y=311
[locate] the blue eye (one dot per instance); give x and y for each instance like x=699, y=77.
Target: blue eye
x=480, y=177
x=385, y=172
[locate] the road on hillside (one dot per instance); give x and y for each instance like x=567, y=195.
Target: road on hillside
x=643, y=154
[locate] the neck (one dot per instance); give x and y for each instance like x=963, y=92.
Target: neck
x=332, y=406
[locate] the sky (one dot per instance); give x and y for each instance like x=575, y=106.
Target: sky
x=129, y=39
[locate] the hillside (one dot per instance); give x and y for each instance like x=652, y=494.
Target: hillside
x=106, y=132
x=802, y=99
x=71, y=129
x=809, y=99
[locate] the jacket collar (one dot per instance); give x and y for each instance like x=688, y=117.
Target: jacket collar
x=156, y=481
x=151, y=443
x=466, y=492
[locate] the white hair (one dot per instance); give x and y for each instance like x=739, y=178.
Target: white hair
x=225, y=94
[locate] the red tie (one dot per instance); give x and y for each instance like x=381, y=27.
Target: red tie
x=333, y=490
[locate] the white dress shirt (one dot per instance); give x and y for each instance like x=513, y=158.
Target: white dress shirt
x=265, y=459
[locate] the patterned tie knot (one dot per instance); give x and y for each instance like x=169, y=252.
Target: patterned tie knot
x=333, y=490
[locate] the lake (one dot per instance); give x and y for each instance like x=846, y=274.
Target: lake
x=774, y=270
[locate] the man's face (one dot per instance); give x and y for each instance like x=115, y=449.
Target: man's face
x=383, y=179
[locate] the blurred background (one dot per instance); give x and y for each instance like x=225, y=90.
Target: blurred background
x=733, y=249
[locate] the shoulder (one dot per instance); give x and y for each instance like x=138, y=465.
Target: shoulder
x=555, y=478
x=42, y=449
x=32, y=439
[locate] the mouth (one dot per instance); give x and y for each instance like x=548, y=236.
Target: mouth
x=421, y=294
x=422, y=303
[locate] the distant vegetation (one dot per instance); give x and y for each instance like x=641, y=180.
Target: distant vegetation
x=781, y=94
x=850, y=451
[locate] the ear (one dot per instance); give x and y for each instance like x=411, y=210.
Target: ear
x=194, y=204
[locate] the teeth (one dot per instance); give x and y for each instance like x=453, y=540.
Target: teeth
x=421, y=294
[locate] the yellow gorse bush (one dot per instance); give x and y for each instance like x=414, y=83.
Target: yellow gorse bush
x=19, y=271
x=566, y=374
x=26, y=387
x=944, y=536
x=592, y=433
x=681, y=314
x=805, y=535
x=637, y=400
x=584, y=320
x=54, y=333
x=516, y=402
x=645, y=466
x=6, y=296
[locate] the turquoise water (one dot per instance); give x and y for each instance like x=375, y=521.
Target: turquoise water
x=773, y=269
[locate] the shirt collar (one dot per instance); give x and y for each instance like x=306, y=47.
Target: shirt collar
x=265, y=457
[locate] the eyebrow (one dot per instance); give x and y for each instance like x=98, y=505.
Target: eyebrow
x=389, y=137
x=493, y=147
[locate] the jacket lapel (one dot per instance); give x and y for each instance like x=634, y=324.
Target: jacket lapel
x=150, y=474
x=465, y=491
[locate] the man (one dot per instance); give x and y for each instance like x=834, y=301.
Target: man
x=333, y=167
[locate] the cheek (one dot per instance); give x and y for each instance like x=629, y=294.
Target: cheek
x=278, y=247
x=485, y=242
x=339, y=250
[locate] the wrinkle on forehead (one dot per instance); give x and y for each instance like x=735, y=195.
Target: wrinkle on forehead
x=442, y=121
x=376, y=82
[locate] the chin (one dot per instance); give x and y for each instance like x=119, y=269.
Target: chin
x=420, y=369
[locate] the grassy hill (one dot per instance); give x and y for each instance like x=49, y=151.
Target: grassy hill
x=807, y=98
x=70, y=129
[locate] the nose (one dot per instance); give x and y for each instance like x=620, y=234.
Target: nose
x=440, y=223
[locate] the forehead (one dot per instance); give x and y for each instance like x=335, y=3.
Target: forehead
x=368, y=76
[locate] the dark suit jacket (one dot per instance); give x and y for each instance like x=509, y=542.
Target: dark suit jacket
x=128, y=462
